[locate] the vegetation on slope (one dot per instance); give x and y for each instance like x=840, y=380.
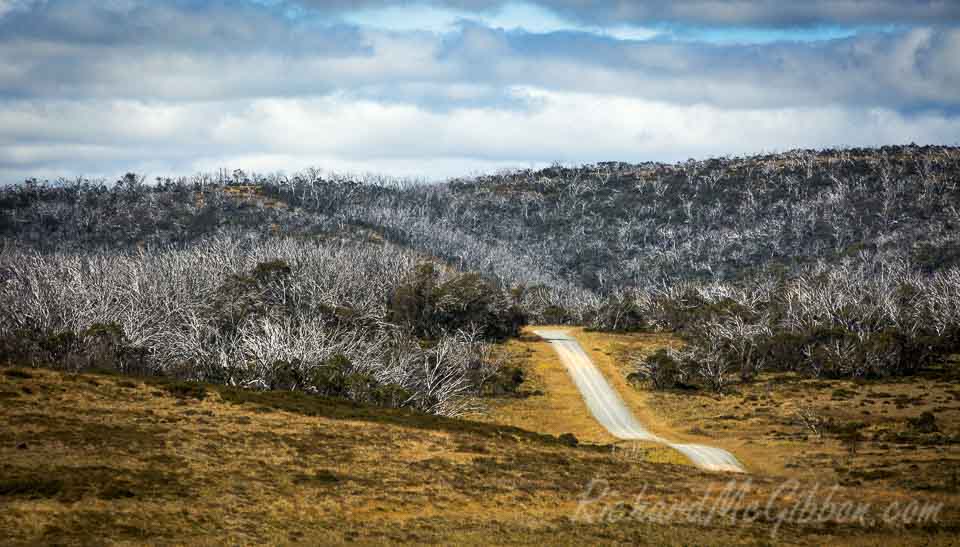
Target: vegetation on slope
x=313, y=290
x=830, y=263
x=371, y=323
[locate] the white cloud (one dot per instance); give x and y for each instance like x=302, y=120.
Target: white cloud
x=179, y=87
x=346, y=134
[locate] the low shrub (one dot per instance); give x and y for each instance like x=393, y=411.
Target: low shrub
x=186, y=390
x=100, y=347
x=924, y=423
x=505, y=381
x=661, y=370
x=31, y=488
x=568, y=439
x=337, y=378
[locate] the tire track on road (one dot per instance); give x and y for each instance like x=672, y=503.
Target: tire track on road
x=609, y=409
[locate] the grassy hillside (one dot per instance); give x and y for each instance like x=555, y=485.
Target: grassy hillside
x=93, y=458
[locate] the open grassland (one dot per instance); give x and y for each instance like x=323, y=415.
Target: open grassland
x=896, y=433
x=92, y=459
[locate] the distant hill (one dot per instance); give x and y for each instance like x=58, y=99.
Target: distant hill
x=834, y=262
x=598, y=227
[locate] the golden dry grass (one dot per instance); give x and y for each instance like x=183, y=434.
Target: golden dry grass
x=89, y=459
x=760, y=421
x=555, y=406
x=765, y=418
x=550, y=402
x=614, y=355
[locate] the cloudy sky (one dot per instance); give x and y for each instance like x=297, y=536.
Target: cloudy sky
x=452, y=87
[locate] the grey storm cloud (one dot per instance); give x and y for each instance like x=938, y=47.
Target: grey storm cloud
x=217, y=25
x=147, y=49
x=768, y=13
x=219, y=51
x=910, y=70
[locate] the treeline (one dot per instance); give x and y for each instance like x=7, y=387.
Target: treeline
x=865, y=317
x=760, y=262
x=616, y=225
x=568, y=236
x=578, y=232
x=84, y=214
x=372, y=323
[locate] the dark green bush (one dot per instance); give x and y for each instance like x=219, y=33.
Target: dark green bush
x=429, y=307
x=105, y=347
x=850, y=434
x=885, y=353
x=286, y=375
x=332, y=377
x=271, y=271
x=31, y=488
x=568, y=439
x=925, y=423
x=336, y=378
x=555, y=315
x=783, y=351
x=390, y=395
x=685, y=313
x=506, y=381
x=661, y=370
x=102, y=346
x=186, y=390
x=252, y=295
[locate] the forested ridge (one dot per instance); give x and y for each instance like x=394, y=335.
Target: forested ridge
x=838, y=262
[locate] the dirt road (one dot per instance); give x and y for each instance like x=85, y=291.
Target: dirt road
x=608, y=408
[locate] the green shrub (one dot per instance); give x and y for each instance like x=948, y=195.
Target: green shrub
x=850, y=434
x=555, y=315
x=429, y=307
x=31, y=488
x=331, y=378
x=506, y=381
x=286, y=375
x=661, y=370
x=321, y=477
x=568, y=439
x=336, y=378
x=783, y=351
x=925, y=423
x=252, y=295
x=271, y=271
x=390, y=395
x=186, y=390
x=101, y=347
x=106, y=348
